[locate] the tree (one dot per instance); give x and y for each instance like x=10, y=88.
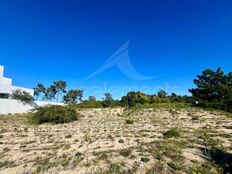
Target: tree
x=162, y=94
x=91, y=98
x=60, y=87
x=175, y=98
x=50, y=93
x=134, y=98
x=73, y=96
x=214, y=89
x=174, y=95
x=108, y=100
x=22, y=96
x=38, y=90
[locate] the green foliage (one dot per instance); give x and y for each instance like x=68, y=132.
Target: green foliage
x=114, y=168
x=108, y=100
x=207, y=168
x=125, y=152
x=92, y=98
x=139, y=99
x=174, y=166
x=174, y=132
x=60, y=87
x=50, y=93
x=90, y=104
x=7, y=164
x=120, y=141
x=134, y=98
x=54, y=114
x=22, y=96
x=145, y=159
x=214, y=89
x=162, y=94
x=73, y=96
x=161, y=100
x=38, y=90
x=129, y=121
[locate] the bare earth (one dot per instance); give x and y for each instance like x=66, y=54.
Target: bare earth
x=115, y=140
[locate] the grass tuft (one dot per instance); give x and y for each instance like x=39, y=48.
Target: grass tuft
x=174, y=132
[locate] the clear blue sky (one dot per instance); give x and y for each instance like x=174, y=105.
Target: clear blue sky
x=46, y=40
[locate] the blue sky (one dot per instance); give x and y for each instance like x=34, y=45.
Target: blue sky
x=46, y=40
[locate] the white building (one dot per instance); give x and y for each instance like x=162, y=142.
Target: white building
x=6, y=86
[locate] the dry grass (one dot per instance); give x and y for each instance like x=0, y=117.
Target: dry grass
x=103, y=141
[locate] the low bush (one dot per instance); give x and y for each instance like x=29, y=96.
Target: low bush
x=129, y=121
x=54, y=114
x=174, y=132
x=145, y=159
x=125, y=152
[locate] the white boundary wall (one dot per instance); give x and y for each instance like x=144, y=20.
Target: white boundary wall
x=14, y=106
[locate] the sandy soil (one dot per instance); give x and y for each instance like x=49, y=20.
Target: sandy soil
x=114, y=140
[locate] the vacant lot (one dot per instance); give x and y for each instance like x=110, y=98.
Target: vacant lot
x=118, y=140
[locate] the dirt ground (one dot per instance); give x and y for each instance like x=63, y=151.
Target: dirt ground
x=116, y=140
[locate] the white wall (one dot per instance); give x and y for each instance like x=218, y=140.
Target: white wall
x=14, y=106
x=6, y=84
x=1, y=71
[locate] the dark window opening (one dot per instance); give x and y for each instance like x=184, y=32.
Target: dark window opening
x=2, y=95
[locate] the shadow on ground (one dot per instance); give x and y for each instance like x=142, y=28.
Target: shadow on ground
x=220, y=158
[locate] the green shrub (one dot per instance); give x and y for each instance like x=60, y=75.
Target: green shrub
x=174, y=132
x=54, y=114
x=22, y=96
x=145, y=159
x=120, y=141
x=129, y=121
x=174, y=166
x=90, y=104
x=125, y=152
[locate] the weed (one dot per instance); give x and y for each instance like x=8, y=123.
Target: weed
x=145, y=159
x=114, y=168
x=174, y=132
x=120, y=141
x=129, y=121
x=125, y=152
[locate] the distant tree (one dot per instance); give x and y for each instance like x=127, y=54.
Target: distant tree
x=152, y=98
x=214, y=89
x=175, y=98
x=39, y=89
x=174, y=95
x=134, y=98
x=60, y=87
x=91, y=98
x=73, y=96
x=108, y=100
x=90, y=103
x=22, y=96
x=50, y=93
x=162, y=94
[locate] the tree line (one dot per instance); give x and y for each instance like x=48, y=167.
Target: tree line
x=213, y=90
x=58, y=92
